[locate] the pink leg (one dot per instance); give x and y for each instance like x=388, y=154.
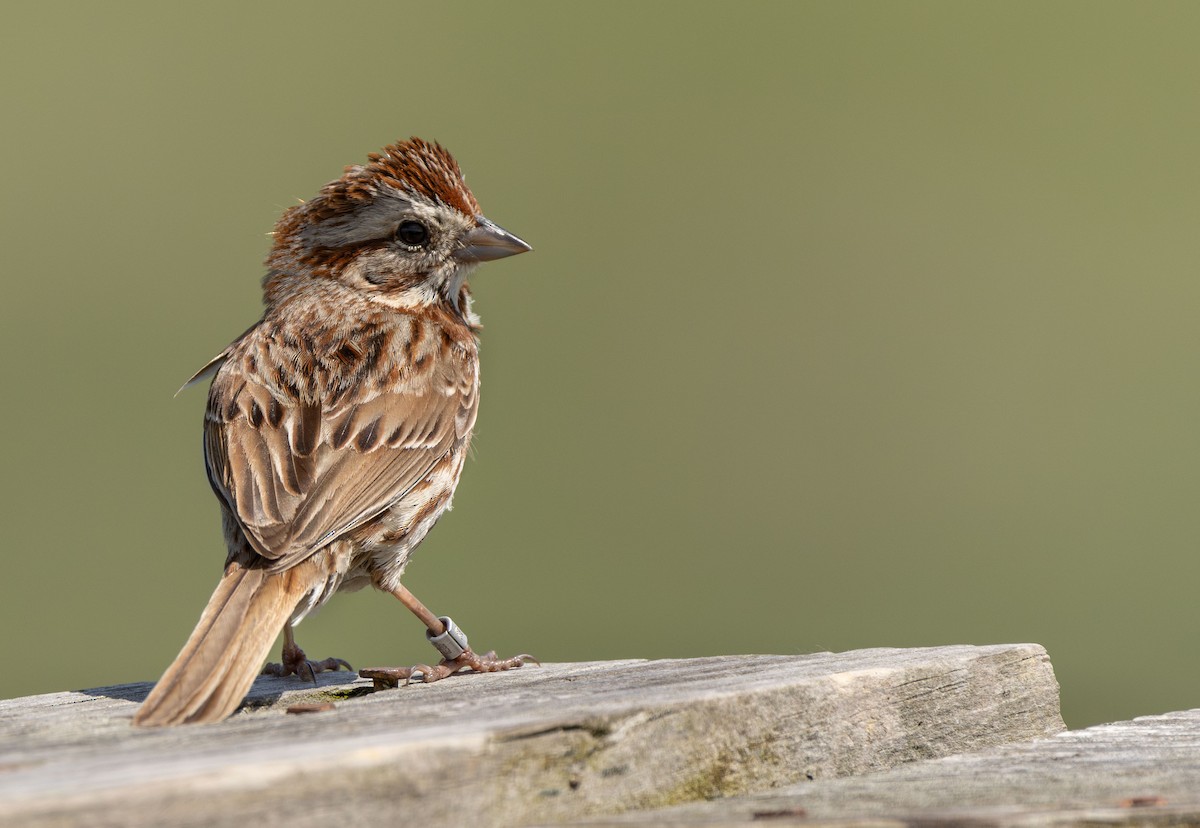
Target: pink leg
x=468, y=659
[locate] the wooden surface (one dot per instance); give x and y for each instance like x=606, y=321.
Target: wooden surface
x=546, y=744
x=1142, y=772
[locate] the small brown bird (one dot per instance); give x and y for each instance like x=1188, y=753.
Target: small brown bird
x=337, y=426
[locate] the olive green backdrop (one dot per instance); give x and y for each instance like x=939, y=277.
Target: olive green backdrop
x=847, y=325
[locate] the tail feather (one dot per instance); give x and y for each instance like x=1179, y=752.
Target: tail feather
x=212, y=674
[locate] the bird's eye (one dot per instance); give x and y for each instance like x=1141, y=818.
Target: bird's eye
x=412, y=233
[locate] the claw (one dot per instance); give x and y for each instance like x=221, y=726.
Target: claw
x=385, y=678
x=488, y=663
x=295, y=663
x=389, y=677
x=330, y=665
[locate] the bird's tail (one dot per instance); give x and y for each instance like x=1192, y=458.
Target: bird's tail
x=212, y=674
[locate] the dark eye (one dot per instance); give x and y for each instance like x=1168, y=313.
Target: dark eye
x=412, y=233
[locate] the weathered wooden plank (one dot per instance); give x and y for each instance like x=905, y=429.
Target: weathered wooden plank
x=1141, y=772
x=533, y=745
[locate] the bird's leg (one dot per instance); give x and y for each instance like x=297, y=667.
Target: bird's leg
x=450, y=641
x=296, y=663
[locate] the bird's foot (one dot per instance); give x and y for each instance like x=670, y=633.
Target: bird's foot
x=386, y=677
x=296, y=663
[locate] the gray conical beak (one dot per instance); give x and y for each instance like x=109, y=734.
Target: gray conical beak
x=489, y=241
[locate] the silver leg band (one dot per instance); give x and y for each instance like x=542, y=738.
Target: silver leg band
x=452, y=643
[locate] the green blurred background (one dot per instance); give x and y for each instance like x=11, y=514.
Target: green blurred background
x=848, y=325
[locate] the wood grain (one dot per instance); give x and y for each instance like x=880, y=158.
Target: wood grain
x=547, y=744
x=1141, y=772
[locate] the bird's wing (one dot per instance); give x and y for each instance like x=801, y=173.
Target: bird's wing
x=297, y=475
x=213, y=365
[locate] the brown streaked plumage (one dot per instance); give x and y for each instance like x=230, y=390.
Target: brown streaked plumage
x=337, y=427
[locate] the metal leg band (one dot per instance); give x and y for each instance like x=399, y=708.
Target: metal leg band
x=452, y=643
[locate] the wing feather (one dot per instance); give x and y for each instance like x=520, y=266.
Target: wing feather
x=297, y=475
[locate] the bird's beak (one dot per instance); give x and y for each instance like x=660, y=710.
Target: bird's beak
x=489, y=241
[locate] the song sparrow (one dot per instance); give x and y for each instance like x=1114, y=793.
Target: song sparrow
x=337, y=426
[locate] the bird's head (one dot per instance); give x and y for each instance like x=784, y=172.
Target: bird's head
x=403, y=230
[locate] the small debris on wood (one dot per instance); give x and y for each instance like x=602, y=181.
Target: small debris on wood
x=781, y=813
x=385, y=678
x=1143, y=802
